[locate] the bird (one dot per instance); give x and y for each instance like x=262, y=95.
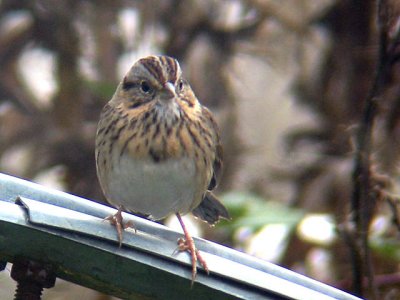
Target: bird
x=158, y=151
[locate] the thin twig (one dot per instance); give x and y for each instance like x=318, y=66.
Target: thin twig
x=363, y=199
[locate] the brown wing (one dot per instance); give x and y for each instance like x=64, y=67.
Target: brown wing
x=210, y=208
x=217, y=165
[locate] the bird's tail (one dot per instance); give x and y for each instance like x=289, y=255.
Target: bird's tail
x=211, y=209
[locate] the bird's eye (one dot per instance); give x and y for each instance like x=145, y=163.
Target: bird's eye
x=145, y=87
x=180, y=85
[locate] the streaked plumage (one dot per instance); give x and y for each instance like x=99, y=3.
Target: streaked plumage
x=157, y=148
x=153, y=134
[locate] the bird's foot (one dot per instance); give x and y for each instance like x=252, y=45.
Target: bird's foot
x=117, y=220
x=187, y=244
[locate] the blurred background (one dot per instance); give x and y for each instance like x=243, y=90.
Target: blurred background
x=286, y=79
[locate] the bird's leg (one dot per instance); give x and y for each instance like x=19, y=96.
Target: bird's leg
x=117, y=220
x=187, y=244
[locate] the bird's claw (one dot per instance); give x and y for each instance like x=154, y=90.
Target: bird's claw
x=188, y=245
x=117, y=220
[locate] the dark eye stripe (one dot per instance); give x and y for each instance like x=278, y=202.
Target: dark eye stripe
x=127, y=85
x=136, y=104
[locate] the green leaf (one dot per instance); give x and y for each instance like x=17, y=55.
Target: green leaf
x=102, y=89
x=389, y=248
x=253, y=211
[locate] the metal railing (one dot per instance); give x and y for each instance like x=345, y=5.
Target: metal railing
x=67, y=237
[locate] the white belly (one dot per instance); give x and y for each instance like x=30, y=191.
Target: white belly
x=155, y=189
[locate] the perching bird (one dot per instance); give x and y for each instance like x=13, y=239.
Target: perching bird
x=158, y=150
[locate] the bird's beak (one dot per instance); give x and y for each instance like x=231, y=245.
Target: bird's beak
x=168, y=91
